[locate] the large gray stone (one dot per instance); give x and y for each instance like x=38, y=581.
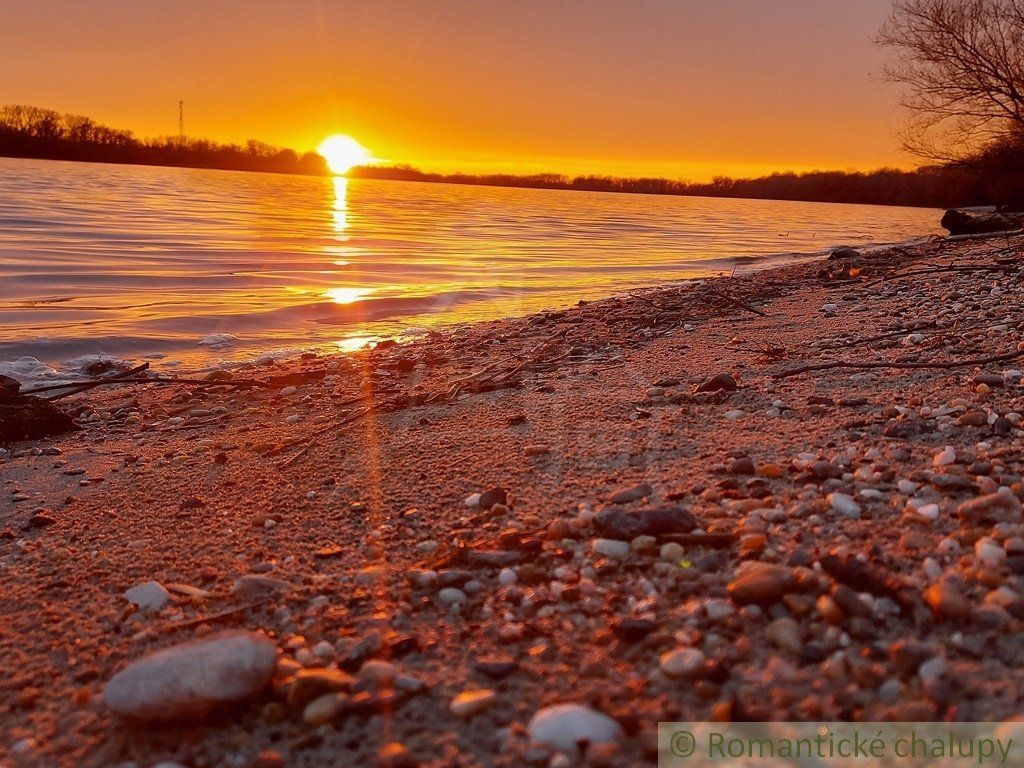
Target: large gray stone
x=564, y=726
x=185, y=681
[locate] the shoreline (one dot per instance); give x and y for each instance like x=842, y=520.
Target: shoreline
x=842, y=543
x=244, y=352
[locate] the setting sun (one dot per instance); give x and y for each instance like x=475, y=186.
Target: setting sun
x=343, y=153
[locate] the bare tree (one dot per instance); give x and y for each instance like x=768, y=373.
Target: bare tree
x=962, y=63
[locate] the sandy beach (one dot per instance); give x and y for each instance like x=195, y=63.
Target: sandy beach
x=791, y=494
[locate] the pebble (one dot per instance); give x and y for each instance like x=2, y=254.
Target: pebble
x=469, y=703
x=564, y=726
x=611, y=548
x=945, y=457
x=785, y=633
x=844, y=505
x=682, y=662
x=632, y=493
x=989, y=552
x=947, y=600
x=761, y=583
x=149, y=596
x=671, y=551
x=185, y=681
x=720, y=382
x=325, y=708
x=990, y=379
x=618, y=524
x=451, y=596
x=993, y=507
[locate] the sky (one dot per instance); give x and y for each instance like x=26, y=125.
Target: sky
x=676, y=88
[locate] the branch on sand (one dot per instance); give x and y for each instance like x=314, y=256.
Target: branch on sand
x=936, y=364
x=737, y=302
x=81, y=386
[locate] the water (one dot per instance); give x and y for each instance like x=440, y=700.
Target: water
x=195, y=268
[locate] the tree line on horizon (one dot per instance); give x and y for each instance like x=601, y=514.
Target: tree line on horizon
x=35, y=132
x=932, y=186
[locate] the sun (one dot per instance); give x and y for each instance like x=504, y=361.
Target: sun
x=343, y=152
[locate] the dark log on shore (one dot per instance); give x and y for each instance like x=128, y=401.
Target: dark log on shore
x=976, y=221
x=26, y=417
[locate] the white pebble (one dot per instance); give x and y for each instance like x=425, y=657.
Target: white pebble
x=844, y=505
x=945, y=457
x=610, y=548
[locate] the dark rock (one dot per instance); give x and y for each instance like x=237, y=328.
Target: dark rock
x=844, y=253
x=826, y=470
x=41, y=520
x=192, y=502
x=494, y=496
x=908, y=428
x=497, y=667
x=991, y=379
x=26, y=417
x=633, y=630
x=632, y=493
x=850, y=601
x=955, y=482
x=742, y=466
x=721, y=382
x=650, y=521
x=861, y=576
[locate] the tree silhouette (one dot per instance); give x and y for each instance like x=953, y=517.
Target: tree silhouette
x=962, y=63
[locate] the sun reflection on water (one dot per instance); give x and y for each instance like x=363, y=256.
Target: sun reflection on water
x=340, y=211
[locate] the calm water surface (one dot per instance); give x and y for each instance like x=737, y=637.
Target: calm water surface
x=200, y=267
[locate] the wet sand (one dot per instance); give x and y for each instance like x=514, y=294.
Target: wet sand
x=843, y=543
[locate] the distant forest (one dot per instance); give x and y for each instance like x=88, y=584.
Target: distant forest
x=995, y=179
x=49, y=135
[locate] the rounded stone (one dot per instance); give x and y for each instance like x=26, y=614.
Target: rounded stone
x=564, y=726
x=185, y=681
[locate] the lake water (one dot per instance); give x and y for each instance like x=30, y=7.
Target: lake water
x=197, y=268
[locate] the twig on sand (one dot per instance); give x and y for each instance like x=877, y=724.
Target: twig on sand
x=936, y=364
x=294, y=457
x=81, y=386
x=737, y=302
x=210, y=616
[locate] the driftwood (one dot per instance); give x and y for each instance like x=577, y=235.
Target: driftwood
x=80, y=386
x=979, y=221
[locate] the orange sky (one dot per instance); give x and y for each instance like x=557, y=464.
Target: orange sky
x=679, y=88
